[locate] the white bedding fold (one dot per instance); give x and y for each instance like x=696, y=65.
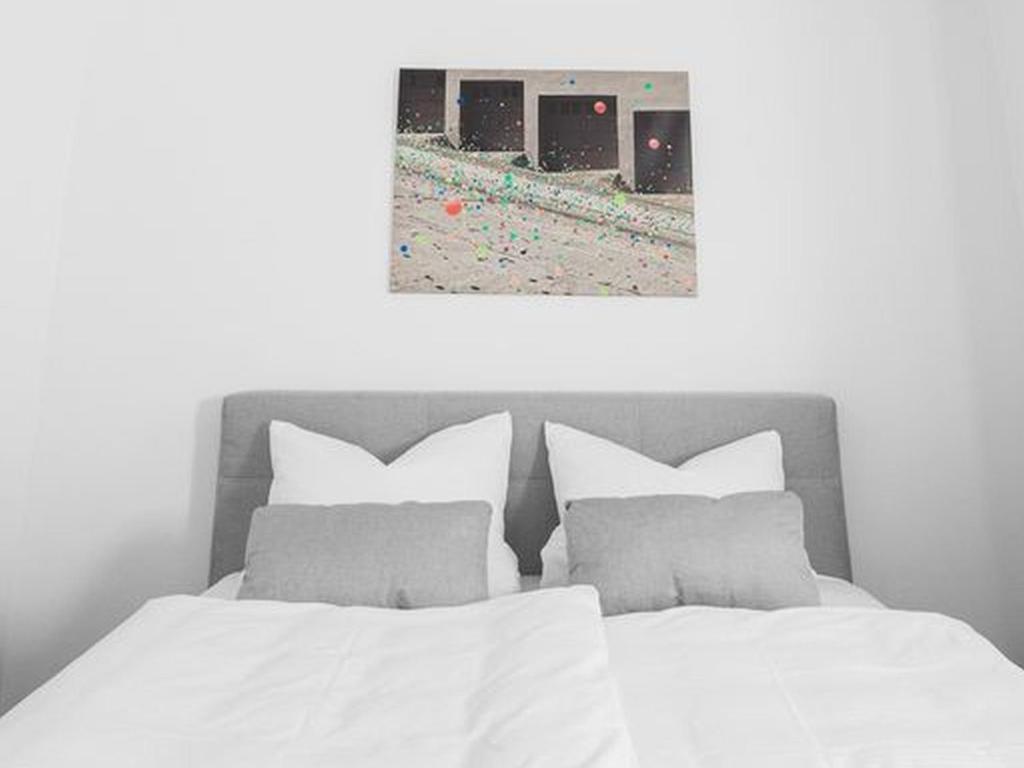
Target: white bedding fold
x=840, y=687
x=519, y=681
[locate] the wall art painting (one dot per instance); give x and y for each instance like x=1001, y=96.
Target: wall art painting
x=543, y=182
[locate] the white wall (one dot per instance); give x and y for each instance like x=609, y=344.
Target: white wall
x=987, y=118
x=1005, y=24
x=214, y=203
x=36, y=136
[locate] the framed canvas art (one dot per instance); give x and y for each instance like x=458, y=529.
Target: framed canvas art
x=543, y=182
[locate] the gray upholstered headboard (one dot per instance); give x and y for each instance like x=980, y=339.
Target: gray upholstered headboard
x=669, y=427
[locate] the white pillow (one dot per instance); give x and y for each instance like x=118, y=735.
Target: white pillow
x=586, y=466
x=464, y=462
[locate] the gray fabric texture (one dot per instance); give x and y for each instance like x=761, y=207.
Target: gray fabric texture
x=648, y=553
x=668, y=427
x=408, y=555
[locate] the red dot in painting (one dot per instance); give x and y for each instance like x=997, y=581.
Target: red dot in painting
x=653, y=142
x=600, y=107
x=453, y=207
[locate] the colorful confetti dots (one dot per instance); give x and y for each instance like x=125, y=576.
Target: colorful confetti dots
x=648, y=86
x=453, y=207
x=653, y=143
x=619, y=199
x=600, y=107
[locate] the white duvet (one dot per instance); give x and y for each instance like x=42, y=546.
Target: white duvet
x=525, y=681
x=815, y=687
x=205, y=683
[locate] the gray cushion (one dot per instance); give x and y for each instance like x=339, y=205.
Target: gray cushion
x=408, y=555
x=647, y=553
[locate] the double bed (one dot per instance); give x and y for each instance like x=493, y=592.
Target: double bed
x=538, y=678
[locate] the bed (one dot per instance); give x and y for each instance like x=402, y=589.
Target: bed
x=537, y=678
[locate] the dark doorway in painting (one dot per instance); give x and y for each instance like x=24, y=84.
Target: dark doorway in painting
x=661, y=140
x=491, y=115
x=421, y=100
x=578, y=133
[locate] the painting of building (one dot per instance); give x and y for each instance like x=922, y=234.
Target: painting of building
x=543, y=182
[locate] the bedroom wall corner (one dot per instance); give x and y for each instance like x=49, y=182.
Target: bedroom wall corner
x=51, y=40
x=986, y=115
